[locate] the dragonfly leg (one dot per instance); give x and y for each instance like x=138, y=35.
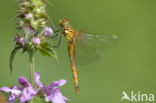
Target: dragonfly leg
x=59, y=42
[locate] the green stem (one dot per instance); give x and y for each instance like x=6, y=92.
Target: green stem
x=32, y=69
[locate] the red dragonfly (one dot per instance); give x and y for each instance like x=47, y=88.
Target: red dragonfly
x=87, y=45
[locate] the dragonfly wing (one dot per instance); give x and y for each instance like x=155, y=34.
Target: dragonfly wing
x=97, y=41
x=86, y=55
x=89, y=46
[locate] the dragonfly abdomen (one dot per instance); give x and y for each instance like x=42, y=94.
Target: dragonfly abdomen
x=74, y=70
x=75, y=77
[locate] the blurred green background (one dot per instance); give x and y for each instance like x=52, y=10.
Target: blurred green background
x=130, y=65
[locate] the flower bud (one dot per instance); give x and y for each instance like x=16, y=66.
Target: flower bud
x=37, y=11
x=20, y=24
x=21, y=40
x=16, y=38
x=47, y=31
x=36, y=41
x=34, y=24
x=29, y=16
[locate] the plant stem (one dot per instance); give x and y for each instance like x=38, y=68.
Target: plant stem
x=32, y=69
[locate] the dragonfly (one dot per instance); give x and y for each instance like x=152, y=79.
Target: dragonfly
x=90, y=45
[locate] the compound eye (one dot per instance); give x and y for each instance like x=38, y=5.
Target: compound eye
x=71, y=31
x=65, y=29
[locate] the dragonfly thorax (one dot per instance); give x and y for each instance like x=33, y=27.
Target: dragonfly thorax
x=68, y=33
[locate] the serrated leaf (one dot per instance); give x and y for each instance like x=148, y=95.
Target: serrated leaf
x=13, y=53
x=46, y=50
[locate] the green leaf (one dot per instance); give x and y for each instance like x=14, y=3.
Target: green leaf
x=46, y=50
x=37, y=99
x=13, y=53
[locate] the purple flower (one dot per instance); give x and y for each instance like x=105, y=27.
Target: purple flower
x=18, y=39
x=23, y=82
x=37, y=80
x=21, y=40
x=47, y=31
x=27, y=94
x=27, y=90
x=52, y=92
x=36, y=40
x=14, y=93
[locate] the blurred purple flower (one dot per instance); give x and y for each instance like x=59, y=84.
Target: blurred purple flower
x=23, y=82
x=14, y=93
x=52, y=92
x=37, y=80
x=36, y=40
x=21, y=40
x=26, y=91
x=27, y=94
x=18, y=39
x=47, y=31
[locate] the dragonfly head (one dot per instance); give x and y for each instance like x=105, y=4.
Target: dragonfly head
x=68, y=33
x=64, y=22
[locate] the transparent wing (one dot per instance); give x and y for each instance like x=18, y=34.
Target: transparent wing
x=89, y=46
